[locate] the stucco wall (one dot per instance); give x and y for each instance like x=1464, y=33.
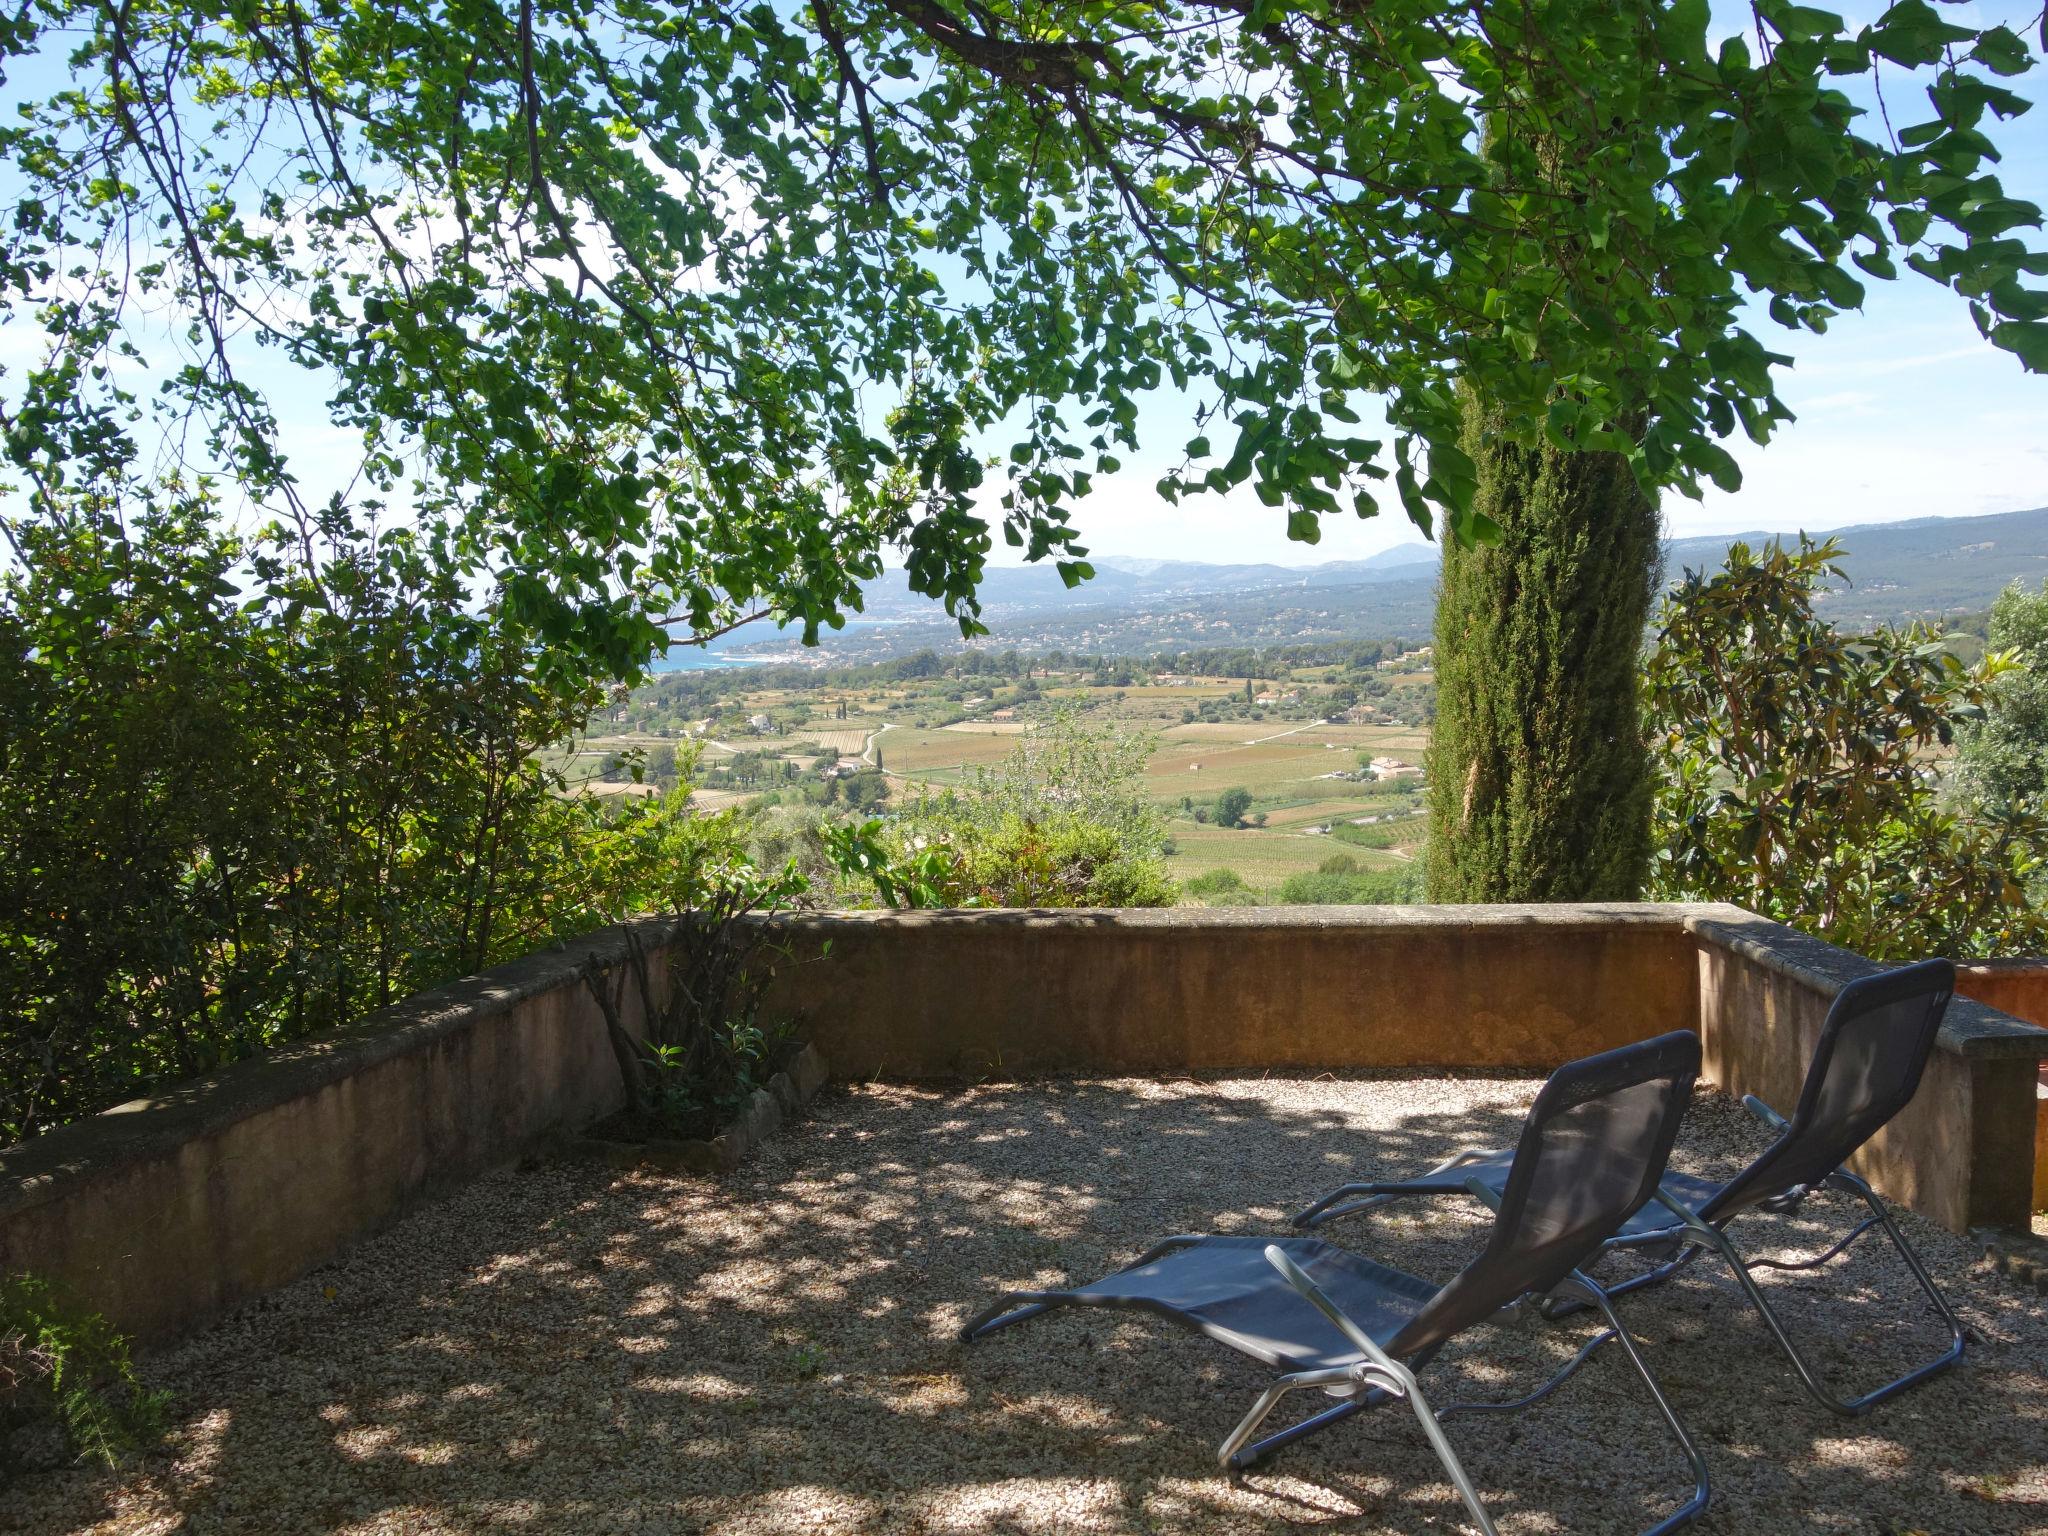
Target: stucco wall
x=1962, y=1152
x=990, y=994
x=165, y=1212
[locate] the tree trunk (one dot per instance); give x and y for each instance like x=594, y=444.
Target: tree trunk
x=1540, y=780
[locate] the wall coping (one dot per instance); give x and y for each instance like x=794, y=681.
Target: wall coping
x=40, y=1170
x=1584, y=915
x=1969, y=1028
x=2030, y=966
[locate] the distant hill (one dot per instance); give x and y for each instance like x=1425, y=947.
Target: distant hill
x=1929, y=568
x=1398, y=563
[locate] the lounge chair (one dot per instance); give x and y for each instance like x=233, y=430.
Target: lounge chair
x=1866, y=1067
x=1590, y=1153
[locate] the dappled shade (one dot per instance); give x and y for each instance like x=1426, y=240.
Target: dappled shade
x=558, y=1348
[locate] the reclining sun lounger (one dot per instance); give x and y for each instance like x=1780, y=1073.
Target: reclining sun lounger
x=1866, y=1067
x=1591, y=1152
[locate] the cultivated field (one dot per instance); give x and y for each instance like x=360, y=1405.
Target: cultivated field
x=1299, y=770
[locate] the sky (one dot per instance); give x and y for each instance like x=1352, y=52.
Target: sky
x=1903, y=410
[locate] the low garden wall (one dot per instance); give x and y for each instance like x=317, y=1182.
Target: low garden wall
x=1193, y=989
x=164, y=1212
x=2020, y=988
x=1962, y=1152
x=973, y=994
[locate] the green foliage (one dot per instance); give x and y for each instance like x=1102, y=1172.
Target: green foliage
x=246, y=795
x=1064, y=861
x=707, y=1045
x=922, y=875
x=1068, y=767
x=2004, y=756
x=1797, y=770
x=1067, y=861
x=1213, y=883
x=1362, y=837
x=1245, y=897
x=1231, y=807
x=1539, y=777
x=677, y=309
x=61, y=1365
x=863, y=790
x=1064, y=821
x=1335, y=885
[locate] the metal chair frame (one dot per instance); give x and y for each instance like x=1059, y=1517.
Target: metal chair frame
x=1379, y=1378
x=1691, y=1234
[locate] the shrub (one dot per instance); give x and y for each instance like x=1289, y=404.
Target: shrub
x=1231, y=806
x=1794, y=770
x=1065, y=821
x=1215, y=882
x=2004, y=756
x=1370, y=887
x=706, y=1047
x=69, y=1368
x=245, y=797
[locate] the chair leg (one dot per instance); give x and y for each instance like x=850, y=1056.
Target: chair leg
x=1702, y=1488
x=1234, y=1454
x=1441, y=1444
x=1376, y=1383
x=1854, y=1407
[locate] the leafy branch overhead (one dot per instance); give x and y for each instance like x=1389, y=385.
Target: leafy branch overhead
x=698, y=307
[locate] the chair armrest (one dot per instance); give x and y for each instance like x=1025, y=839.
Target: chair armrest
x=1764, y=1112
x=1312, y=1293
x=1687, y=1217
x=1485, y=1194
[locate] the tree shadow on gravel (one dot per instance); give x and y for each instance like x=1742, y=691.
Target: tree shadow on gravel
x=564, y=1349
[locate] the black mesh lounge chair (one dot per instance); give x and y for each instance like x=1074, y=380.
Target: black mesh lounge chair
x=1873, y=1047
x=1590, y=1153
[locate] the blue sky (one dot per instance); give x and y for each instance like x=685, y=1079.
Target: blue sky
x=1904, y=411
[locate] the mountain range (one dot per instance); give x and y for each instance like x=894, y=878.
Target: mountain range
x=1924, y=568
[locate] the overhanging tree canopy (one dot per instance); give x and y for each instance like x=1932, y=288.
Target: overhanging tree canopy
x=702, y=306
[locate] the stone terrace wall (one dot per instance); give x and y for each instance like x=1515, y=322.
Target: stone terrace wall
x=994, y=994
x=1008, y=994
x=1962, y=1152
x=2020, y=988
x=165, y=1212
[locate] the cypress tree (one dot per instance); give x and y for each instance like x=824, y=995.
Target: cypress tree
x=1539, y=771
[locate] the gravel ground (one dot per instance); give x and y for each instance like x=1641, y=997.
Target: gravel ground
x=560, y=1348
